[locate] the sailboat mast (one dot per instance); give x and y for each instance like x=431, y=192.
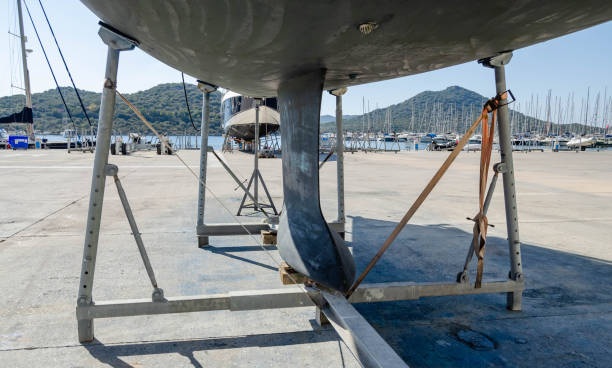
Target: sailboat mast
x=26, y=73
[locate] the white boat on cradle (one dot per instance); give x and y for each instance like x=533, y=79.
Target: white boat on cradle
x=576, y=142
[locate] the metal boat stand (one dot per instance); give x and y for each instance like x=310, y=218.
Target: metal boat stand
x=360, y=337
x=205, y=230
x=256, y=177
x=116, y=42
x=506, y=167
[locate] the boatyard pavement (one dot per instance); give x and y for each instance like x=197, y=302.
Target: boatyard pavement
x=565, y=217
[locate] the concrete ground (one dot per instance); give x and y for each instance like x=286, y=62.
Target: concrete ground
x=565, y=210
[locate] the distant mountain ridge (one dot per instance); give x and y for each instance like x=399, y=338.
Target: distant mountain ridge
x=451, y=109
x=332, y=118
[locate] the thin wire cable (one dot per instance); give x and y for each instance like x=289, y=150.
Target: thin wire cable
x=198, y=130
x=50, y=68
x=148, y=124
x=65, y=65
x=186, y=102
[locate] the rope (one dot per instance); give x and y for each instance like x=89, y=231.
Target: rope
x=491, y=105
x=65, y=65
x=50, y=68
x=148, y=124
x=186, y=102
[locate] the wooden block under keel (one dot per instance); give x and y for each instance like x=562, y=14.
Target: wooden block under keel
x=268, y=237
x=290, y=276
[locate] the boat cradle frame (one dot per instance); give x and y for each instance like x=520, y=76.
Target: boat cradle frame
x=359, y=336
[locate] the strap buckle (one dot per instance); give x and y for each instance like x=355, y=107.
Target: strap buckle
x=495, y=103
x=507, y=102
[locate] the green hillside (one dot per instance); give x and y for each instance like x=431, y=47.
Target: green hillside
x=163, y=105
x=452, y=109
x=449, y=110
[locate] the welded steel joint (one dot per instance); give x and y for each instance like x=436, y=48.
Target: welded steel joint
x=499, y=168
x=501, y=59
x=109, y=84
x=206, y=87
x=111, y=170
x=115, y=39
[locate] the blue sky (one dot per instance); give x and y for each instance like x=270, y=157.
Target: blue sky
x=567, y=64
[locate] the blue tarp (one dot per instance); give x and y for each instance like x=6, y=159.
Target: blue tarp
x=18, y=141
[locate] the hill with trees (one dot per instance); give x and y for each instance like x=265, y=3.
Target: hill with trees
x=450, y=110
x=163, y=105
x=453, y=109
x=429, y=111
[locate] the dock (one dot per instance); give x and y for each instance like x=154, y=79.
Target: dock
x=566, y=234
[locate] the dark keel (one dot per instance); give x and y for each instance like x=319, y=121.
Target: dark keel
x=305, y=241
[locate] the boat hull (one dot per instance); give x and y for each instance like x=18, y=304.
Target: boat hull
x=584, y=142
x=251, y=46
x=247, y=131
x=239, y=116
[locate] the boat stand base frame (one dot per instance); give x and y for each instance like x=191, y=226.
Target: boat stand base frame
x=205, y=231
x=328, y=307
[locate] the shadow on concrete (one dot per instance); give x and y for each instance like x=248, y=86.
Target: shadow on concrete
x=227, y=252
x=566, y=318
x=567, y=300
x=240, y=248
x=112, y=354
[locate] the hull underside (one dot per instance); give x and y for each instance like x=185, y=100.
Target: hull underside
x=241, y=124
x=251, y=46
x=247, y=131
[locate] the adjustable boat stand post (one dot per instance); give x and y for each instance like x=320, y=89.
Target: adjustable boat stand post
x=206, y=90
x=116, y=43
x=256, y=160
x=341, y=218
x=256, y=175
x=498, y=62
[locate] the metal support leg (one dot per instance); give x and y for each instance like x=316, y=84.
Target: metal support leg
x=206, y=89
x=116, y=43
x=247, y=190
x=113, y=170
x=265, y=188
x=256, y=177
x=256, y=158
x=505, y=143
x=339, y=153
x=231, y=173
